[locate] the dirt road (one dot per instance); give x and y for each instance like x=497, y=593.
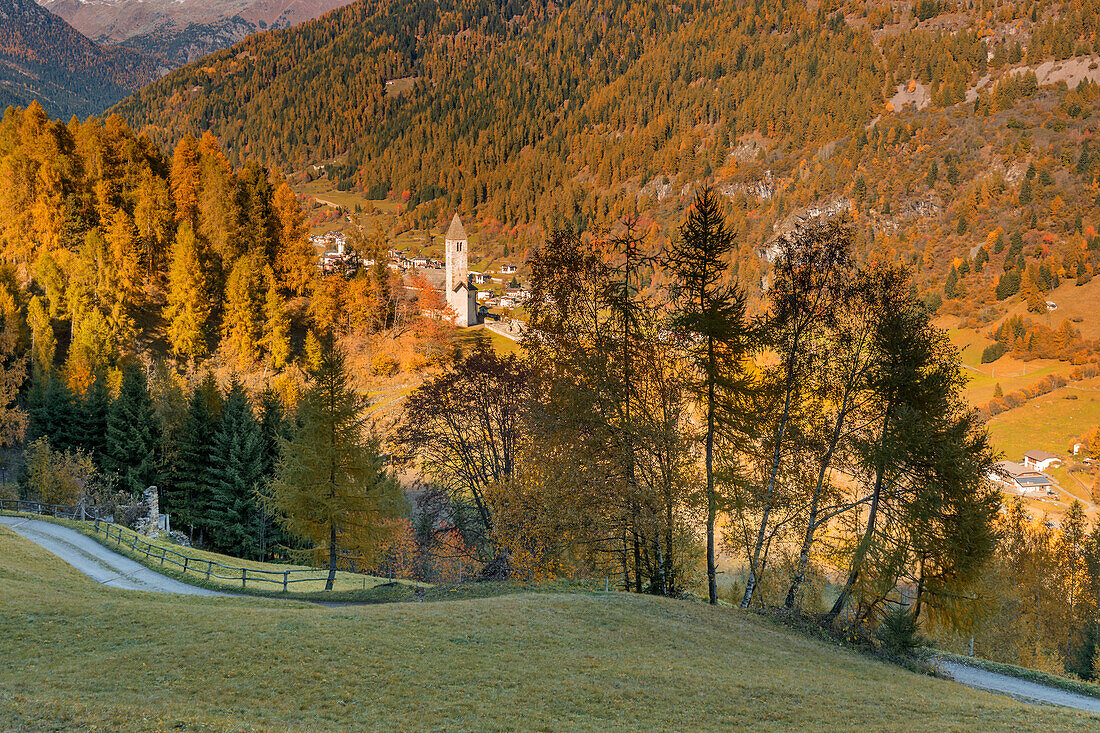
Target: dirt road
x=96, y=561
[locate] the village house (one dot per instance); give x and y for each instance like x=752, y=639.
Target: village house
x=517, y=294
x=1021, y=478
x=508, y=269
x=1040, y=460
x=479, y=278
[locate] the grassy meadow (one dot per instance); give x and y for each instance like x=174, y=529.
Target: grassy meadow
x=76, y=655
x=1048, y=422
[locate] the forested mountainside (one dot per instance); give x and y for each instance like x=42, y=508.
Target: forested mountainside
x=179, y=31
x=43, y=58
x=112, y=246
x=925, y=120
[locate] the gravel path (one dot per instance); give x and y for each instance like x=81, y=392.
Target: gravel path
x=1022, y=690
x=96, y=561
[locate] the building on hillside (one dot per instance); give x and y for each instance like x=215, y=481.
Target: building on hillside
x=461, y=295
x=508, y=269
x=1021, y=478
x=518, y=294
x=1040, y=460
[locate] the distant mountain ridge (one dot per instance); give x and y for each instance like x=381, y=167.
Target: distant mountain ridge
x=180, y=31
x=44, y=58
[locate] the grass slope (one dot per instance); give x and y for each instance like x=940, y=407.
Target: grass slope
x=1049, y=422
x=74, y=654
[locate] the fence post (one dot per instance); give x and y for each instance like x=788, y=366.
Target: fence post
x=286, y=573
x=162, y=552
x=185, y=558
x=243, y=571
x=208, y=570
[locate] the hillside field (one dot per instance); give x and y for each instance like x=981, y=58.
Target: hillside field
x=78, y=655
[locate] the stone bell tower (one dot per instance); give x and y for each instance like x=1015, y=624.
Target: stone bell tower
x=461, y=296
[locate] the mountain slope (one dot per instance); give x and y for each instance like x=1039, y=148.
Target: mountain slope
x=920, y=121
x=43, y=58
x=180, y=31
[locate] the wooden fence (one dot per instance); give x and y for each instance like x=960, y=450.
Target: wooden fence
x=199, y=567
x=78, y=513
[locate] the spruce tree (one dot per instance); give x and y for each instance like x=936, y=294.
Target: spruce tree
x=188, y=491
x=274, y=428
x=950, y=288
x=132, y=437
x=236, y=470
x=1025, y=192
x=53, y=411
x=91, y=422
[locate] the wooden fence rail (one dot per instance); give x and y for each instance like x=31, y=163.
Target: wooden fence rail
x=206, y=569
x=79, y=513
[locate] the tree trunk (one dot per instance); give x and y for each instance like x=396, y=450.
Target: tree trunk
x=712, y=510
x=920, y=594
x=637, y=558
x=670, y=577
x=626, y=567
x=331, y=557
x=811, y=525
x=754, y=561
x=865, y=542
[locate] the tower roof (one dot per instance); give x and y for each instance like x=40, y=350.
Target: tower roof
x=455, y=231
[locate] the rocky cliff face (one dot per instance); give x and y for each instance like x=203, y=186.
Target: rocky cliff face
x=180, y=31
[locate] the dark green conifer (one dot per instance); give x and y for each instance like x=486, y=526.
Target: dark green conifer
x=52, y=411
x=188, y=490
x=274, y=428
x=91, y=419
x=950, y=288
x=236, y=471
x=132, y=435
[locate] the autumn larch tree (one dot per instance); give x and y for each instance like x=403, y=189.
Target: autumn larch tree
x=810, y=271
x=188, y=302
x=709, y=320
x=331, y=488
